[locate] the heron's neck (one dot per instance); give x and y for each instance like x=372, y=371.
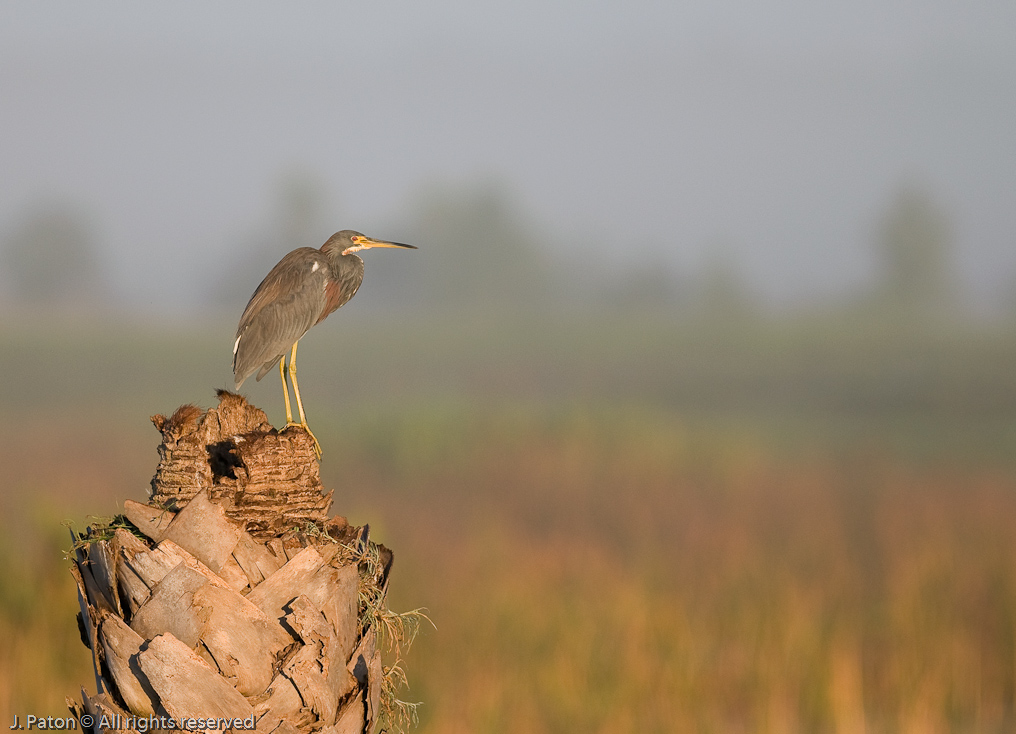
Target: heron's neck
x=345, y=266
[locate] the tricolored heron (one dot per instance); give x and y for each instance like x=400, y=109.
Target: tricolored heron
x=299, y=292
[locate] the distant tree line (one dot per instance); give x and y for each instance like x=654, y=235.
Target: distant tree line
x=51, y=262
x=480, y=254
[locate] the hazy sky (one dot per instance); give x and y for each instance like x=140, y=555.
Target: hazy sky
x=780, y=129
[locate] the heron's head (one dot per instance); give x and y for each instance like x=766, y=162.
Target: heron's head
x=347, y=242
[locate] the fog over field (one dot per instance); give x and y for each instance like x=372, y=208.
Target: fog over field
x=643, y=136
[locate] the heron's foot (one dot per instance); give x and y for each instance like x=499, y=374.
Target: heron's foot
x=304, y=426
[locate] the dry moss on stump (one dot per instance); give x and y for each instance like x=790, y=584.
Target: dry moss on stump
x=232, y=594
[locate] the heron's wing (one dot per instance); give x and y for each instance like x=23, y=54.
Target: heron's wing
x=286, y=304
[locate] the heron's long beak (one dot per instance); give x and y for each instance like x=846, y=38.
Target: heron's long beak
x=365, y=243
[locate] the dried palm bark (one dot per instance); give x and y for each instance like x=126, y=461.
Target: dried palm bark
x=232, y=595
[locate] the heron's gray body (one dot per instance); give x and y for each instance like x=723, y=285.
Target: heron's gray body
x=301, y=290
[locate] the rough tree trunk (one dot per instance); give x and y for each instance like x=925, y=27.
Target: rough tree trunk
x=232, y=594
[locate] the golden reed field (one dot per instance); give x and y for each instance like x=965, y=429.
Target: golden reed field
x=606, y=570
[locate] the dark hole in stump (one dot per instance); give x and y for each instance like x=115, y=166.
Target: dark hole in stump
x=223, y=459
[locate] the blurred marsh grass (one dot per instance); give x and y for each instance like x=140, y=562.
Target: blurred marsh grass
x=623, y=570
x=766, y=533
x=595, y=577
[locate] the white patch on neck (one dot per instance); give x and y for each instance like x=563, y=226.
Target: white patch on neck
x=317, y=265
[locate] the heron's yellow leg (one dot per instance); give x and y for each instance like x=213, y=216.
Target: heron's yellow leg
x=296, y=388
x=285, y=390
x=299, y=402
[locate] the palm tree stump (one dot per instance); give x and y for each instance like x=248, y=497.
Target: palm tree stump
x=232, y=596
